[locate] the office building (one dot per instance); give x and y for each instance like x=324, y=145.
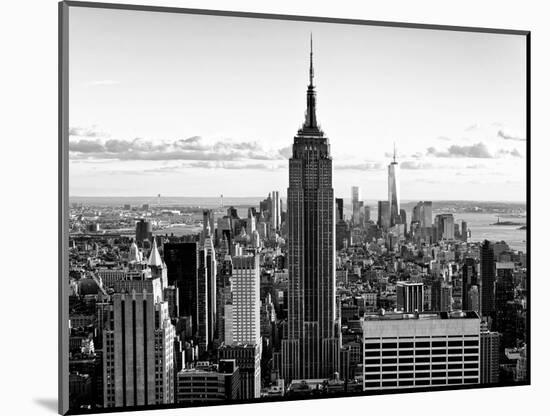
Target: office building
x=487, y=275
x=207, y=222
x=410, y=296
x=489, y=356
x=243, y=315
x=248, y=359
x=211, y=274
x=339, y=209
x=206, y=384
x=242, y=324
x=384, y=214
x=367, y=213
x=203, y=303
x=187, y=269
x=422, y=217
x=275, y=210
x=469, y=279
x=144, y=231
x=442, y=296
x=181, y=261
x=356, y=204
x=445, y=227
x=464, y=230
x=506, y=316
x=311, y=349
x=420, y=350
x=138, y=345
x=342, y=235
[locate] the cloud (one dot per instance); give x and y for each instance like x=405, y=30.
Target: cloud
x=234, y=165
x=286, y=152
x=478, y=150
x=475, y=151
x=444, y=138
x=86, y=132
x=192, y=148
x=85, y=146
x=507, y=136
x=180, y=168
x=514, y=152
x=472, y=127
x=365, y=166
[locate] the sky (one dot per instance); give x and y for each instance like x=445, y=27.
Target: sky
x=190, y=105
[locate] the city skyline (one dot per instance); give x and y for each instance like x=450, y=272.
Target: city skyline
x=457, y=116
x=208, y=301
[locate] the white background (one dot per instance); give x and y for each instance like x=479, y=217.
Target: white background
x=28, y=96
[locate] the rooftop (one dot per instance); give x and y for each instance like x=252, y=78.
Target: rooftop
x=392, y=316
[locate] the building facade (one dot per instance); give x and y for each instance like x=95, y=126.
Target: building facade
x=410, y=296
x=420, y=350
x=311, y=349
x=489, y=356
x=138, y=344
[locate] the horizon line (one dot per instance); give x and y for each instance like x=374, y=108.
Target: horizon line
x=258, y=196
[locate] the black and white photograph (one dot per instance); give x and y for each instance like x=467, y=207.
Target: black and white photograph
x=271, y=208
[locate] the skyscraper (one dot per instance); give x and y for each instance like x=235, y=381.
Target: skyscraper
x=144, y=231
x=182, y=266
x=211, y=271
x=464, y=231
x=341, y=225
x=207, y=222
x=312, y=348
x=367, y=213
x=355, y=194
x=275, y=210
x=355, y=205
x=487, y=271
x=393, y=191
x=383, y=214
x=187, y=268
x=410, y=296
x=243, y=315
x=339, y=209
x=469, y=279
x=242, y=322
x=445, y=227
x=203, y=306
x=138, y=364
x=489, y=356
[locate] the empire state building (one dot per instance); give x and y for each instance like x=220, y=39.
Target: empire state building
x=311, y=348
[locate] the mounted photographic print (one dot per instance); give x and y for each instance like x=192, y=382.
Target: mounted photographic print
x=265, y=208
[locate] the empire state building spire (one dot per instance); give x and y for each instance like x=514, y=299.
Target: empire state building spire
x=311, y=119
x=311, y=60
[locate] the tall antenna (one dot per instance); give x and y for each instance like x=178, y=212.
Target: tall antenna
x=394, y=153
x=310, y=58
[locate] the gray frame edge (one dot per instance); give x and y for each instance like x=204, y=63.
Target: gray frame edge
x=63, y=208
x=274, y=16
